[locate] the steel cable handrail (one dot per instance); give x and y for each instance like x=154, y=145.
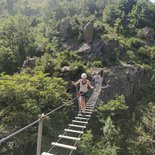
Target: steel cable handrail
x=19, y=131
x=69, y=127
x=35, y=122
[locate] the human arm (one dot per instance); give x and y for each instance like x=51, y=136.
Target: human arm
x=90, y=85
x=94, y=77
x=76, y=83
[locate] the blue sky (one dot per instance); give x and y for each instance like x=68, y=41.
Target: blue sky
x=152, y=1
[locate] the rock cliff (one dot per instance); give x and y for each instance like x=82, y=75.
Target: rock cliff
x=124, y=80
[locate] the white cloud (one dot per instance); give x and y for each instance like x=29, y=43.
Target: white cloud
x=153, y=1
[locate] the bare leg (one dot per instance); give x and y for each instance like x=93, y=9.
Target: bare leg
x=83, y=103
x=80, y=107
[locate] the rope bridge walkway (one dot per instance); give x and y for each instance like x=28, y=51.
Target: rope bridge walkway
x=71, y=135
x=76, y=128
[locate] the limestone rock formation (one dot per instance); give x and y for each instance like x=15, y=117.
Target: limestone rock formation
x=30, y=62
x=66, y=69
x=99, y=48
x=65, y=29
x=85, y=48
x=89, y=31
x=124, y=80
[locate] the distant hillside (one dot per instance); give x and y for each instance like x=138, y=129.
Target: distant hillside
x=26, y=7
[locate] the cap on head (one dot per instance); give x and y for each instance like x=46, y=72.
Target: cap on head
x=83, y=75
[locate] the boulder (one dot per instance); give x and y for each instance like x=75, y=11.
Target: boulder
x=66, y=69
x=65, y=29
x=123, y=80
x=89, y=31
x=99, y=48
x=30, y=62
x=85, y=48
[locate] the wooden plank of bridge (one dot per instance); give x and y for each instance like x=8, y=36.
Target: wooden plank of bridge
x=74, y=131
x=64, y=146
x=45, y=153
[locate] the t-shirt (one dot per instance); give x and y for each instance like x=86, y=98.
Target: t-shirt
x=97, y=77
x=83, y=86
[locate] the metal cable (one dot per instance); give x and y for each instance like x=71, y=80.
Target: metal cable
x=69, y=127
x=73, y=123
x=26, y=127
x=19, y=131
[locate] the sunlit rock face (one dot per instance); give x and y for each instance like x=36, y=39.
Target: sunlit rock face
x=124, y=80
x=98, y=49
x=85, y=48
x=89, y=31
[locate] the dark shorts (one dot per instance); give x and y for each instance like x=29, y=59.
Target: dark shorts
x=83, y=94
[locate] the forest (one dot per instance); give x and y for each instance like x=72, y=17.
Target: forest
x=47, y=44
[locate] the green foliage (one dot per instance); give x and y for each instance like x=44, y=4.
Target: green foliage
x=110, y=33
x=25, y=7
x=145, y=34
x=109, y=131
x=85, y=146
x=26, y=96
x=147, y=54
x=77, y=69
x=46, y=38
x=66, y=58
x=112, y=58
x=111, y=13
x=143, y=142
x=105, y=150
x=117, y=104
x=96, y=63
x=134, y=43
x=139, y=16
x=58, y=10
x=118, y=26
x=15, y=43
x=46, y=64
x=106, y=144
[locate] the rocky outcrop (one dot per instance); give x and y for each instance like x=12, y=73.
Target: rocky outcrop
x=89, y=31
x=66, y=69
x=85, y=48
x=99, y=48
x=65, y=29
x=124, y=80
x=147, y=33
x=30, y=62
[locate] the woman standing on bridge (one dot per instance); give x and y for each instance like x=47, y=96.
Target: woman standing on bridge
x=97, y=79
x=84, y=84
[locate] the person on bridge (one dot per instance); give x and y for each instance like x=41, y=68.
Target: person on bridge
x=84, y=84
x=97, y=79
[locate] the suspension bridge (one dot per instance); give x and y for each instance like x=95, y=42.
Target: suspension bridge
x=71, y=135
